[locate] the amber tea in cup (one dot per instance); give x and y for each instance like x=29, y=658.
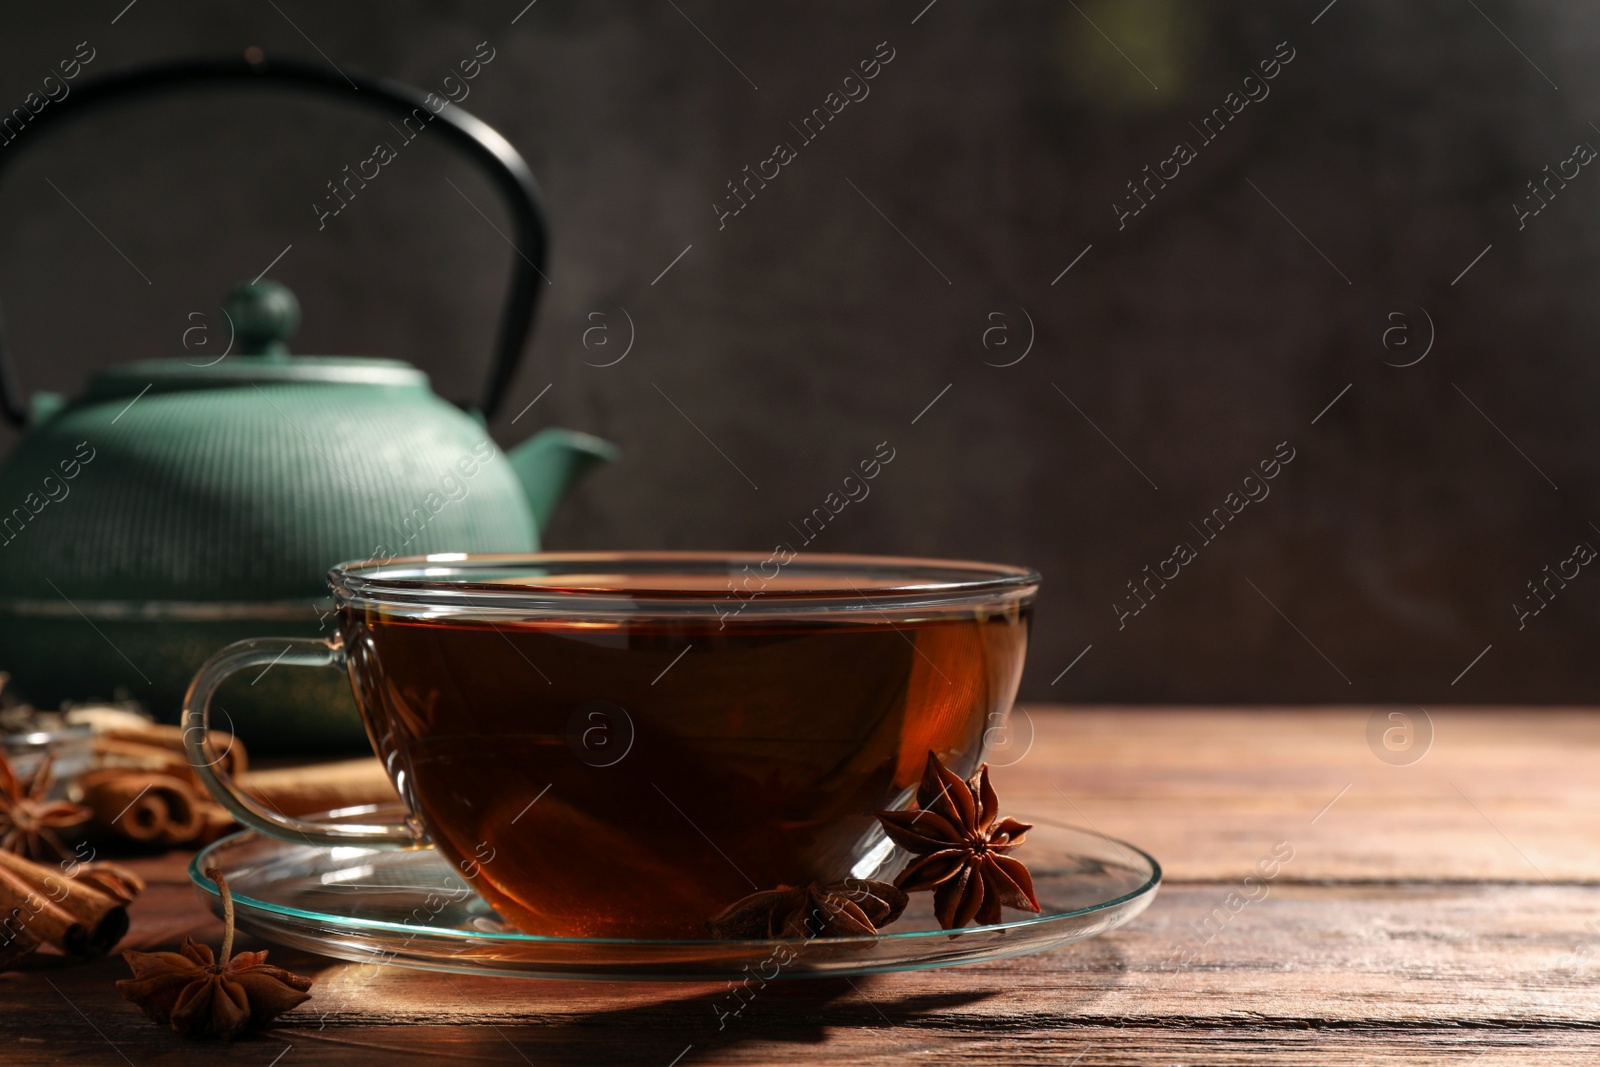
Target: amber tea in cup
x=621, y=745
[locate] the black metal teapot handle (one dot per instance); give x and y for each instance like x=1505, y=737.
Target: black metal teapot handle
x=475, y=138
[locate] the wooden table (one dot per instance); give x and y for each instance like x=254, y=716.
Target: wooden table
x=1439, y=909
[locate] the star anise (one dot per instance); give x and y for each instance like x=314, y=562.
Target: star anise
x=112, y=879
x=852, y=908
x=961, y=841
x=201, y=996
x=29, y=821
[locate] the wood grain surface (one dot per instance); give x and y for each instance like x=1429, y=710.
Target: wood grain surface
x=1446, y=908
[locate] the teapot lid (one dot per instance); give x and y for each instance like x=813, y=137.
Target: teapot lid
x=262, y=316
x=176, y=375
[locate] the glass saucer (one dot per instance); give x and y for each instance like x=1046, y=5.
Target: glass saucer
x=410, y=908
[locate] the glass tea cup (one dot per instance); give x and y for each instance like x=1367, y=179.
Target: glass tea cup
x=623, y=744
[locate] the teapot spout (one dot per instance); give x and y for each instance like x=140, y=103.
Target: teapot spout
x=551, y=462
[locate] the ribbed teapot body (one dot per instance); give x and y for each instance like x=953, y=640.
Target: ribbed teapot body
x=158, y=519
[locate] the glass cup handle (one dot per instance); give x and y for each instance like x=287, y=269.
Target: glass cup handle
x=286, y=652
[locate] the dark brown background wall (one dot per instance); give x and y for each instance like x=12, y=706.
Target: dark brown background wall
x=823, y=319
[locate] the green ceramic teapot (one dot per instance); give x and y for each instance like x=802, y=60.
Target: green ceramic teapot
x=177, y=505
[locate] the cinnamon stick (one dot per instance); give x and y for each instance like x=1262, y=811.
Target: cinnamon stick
x=321, y=787
x=72, y=916
x=112, y=879
x=215, y=822
x=155, y=747
x=143, y=807
x=113, y=753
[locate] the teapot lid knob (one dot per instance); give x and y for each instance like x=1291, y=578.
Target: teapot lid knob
x=264, y=314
